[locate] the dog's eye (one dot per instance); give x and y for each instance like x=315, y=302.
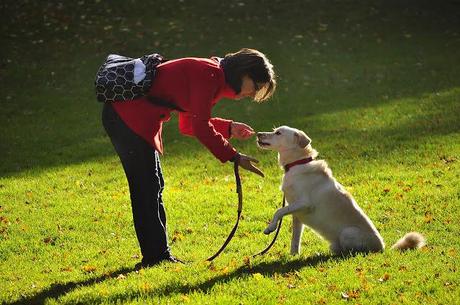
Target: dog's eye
x=278, y=133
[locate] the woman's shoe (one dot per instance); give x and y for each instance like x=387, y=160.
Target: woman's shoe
x=147, y=264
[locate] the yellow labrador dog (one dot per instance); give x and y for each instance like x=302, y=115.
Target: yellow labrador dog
x=317, y=200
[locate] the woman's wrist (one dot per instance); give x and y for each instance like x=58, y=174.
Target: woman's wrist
x=235, y=158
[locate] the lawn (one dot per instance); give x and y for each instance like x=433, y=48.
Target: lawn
x=375, y=84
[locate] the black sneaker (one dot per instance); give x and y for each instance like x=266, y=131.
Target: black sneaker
x=147, y=264
x=174, y=259
x=142, y=265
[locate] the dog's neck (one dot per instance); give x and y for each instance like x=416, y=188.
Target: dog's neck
x=287, y=156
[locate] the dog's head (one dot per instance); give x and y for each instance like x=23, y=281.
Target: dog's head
x=283, y=138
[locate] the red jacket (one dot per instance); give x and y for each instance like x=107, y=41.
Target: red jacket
x=193, y=84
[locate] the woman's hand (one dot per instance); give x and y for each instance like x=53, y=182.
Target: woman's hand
x=241, y=131
x=246, y=163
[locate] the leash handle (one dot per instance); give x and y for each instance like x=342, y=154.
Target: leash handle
x=276, y=234
x=239, y=190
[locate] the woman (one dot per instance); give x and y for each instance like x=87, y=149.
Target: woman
x=193, y=85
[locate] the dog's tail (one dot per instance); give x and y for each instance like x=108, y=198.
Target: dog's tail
x=412, y=240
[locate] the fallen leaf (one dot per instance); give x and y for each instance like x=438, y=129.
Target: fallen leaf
x=257, y=276
x=428, y=217
x=384, y=278
x=185, y=298
x=145, y=287
x=351, y=294
x=448, y=159
x=247, y=261
x=226, y=270
x=88, y=268
x=177, y=236
x=177, y=269
x=407, y=189
x=354, y=294
x=49, y=240
x=212, y=267
x=425, y=249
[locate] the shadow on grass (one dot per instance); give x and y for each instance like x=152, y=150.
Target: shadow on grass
x=266, y=269
x=56, y=291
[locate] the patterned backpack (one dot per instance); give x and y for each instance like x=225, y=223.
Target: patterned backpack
x=123, y=78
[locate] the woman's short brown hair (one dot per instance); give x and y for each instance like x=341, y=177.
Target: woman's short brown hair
x=255, y=65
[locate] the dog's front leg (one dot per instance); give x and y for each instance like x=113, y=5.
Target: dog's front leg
x=297, y=230
x=280, y=213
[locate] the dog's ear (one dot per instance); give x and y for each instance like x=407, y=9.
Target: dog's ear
x=302, y=139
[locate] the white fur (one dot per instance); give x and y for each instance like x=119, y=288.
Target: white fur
x=316, y=199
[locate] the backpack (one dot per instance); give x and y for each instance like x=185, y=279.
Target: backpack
x=122, y=78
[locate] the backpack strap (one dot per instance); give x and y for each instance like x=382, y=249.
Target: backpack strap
x=164, y=103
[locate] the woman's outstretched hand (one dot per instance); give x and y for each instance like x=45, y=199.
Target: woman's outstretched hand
x=246, y=163
x=241, y=131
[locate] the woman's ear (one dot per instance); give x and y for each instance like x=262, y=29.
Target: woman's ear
x=302, y=139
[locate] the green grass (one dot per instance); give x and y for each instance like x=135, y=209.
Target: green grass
x=373, y=83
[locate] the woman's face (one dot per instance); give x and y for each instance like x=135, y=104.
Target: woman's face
x=249, y=88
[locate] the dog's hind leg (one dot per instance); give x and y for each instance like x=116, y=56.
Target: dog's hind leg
x=297, y=230
x=352, y=240
x=280, y=213
x=335, y=248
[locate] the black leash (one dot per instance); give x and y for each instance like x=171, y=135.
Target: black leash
x=276, y=234
x=239, y=190
x=240, y=208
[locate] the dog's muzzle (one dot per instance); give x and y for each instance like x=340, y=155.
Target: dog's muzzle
x=262, y=144
x=260, y=139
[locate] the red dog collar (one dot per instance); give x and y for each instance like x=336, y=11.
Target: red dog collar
x=301, y=161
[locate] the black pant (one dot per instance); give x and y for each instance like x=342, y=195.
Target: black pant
x=141, y=164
